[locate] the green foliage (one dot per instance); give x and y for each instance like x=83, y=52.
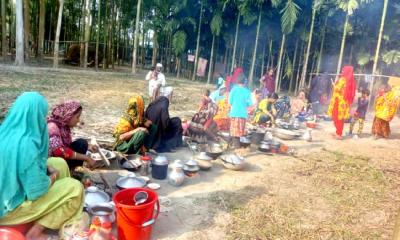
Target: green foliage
x=348, y=6
x=289, y=16
x=216, y=24
x=288, y=68
x=391, y=57
x=179, y=42
x=364, y=58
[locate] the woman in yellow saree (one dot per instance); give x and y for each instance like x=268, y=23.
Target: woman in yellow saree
x=386, y=107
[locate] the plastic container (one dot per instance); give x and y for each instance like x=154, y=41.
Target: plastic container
x=160, y=168
x=135, y=222
x=10, y=234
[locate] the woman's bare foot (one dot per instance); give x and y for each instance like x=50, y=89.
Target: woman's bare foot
x=36, y=233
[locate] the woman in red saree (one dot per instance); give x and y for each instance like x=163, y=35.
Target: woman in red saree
x=343, y=94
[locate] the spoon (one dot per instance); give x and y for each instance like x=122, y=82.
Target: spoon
x=140, y=197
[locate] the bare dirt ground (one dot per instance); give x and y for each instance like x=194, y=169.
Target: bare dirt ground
x=329, y=190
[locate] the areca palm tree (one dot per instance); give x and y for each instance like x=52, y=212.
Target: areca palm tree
x=215, y=26
x=289, y=17
x=378, y=46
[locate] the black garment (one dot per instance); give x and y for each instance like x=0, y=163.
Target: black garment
x=80, y=146
x=169, y=132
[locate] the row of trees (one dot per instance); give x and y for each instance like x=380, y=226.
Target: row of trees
x=296, y=37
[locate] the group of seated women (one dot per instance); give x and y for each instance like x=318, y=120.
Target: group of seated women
x=36, y=186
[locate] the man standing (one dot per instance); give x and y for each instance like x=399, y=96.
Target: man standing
x=157, y=83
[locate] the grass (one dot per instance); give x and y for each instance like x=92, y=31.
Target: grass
x=345, y=197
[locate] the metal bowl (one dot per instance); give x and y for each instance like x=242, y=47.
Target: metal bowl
x=285, y=134
x=131, y=162
x=190, y=171
x=203, y=156
x=204, y=165
x=245, y=141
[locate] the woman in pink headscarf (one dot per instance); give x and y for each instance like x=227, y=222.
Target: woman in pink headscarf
x=64, y=117
x=344, y=91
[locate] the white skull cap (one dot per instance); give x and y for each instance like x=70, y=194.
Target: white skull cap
x=158, y=65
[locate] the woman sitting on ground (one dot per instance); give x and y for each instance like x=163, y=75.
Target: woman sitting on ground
x=202, y=127
x=134, y=133
x=63, y=118
x=266, y=112
x=34, y=189
x=299, y=105
x=169, y=130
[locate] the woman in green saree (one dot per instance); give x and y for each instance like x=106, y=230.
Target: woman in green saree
x=34, y=189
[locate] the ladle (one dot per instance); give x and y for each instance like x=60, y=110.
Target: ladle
x=140, y=197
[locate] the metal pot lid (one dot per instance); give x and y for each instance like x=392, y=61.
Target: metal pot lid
x=160, y=160
x=203, y=156
x=130, y=181
x=234, y=159
x=94, y=196
x=191, y=162
x=191, y=168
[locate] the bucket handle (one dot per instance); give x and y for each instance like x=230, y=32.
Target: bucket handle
x=145, y=224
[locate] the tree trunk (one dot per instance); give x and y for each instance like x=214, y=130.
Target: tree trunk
x=82, y=34
x=294, y=64
x=19, y=55
x=155, y=48
x=110, y=33
x=196, y=56
x=235, y=44
x=87, y=32
x=105, y=63
x=298, y=68
x=98, y=36
x=253, y=62
x=57, y=38
x=211, y=65
x=263, y=60
x=312, y=71
x=27, y=27
x=339, y=66
x=112, y=30
x=322, y=45
x=42, y=19
x=278, y=68
x=3, y=30
x=269, y=54
x=136, y=41
x=378, y=45
x=283, y=60
x=305, y=66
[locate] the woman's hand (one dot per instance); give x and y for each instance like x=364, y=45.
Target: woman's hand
x=90, y=161
x=148, y=123
x=142, y=129
x=93, y=148
x=53, y=174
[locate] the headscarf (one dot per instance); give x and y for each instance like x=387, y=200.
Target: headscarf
x=158, y=113
x=133, y=116
x=61, y=115
x=24, y=143
x=351, y=85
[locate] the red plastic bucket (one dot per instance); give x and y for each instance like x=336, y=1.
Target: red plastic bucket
x=10, y=234
x=135, y=222
x=22, y=228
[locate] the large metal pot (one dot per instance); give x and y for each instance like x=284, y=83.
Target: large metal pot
x=104, y=211
x=285, y=134
x=264, y=146
x=159, y=167
x=256, y=137
x=233, y=162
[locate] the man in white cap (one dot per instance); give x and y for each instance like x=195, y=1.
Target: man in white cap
x=157, y=83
